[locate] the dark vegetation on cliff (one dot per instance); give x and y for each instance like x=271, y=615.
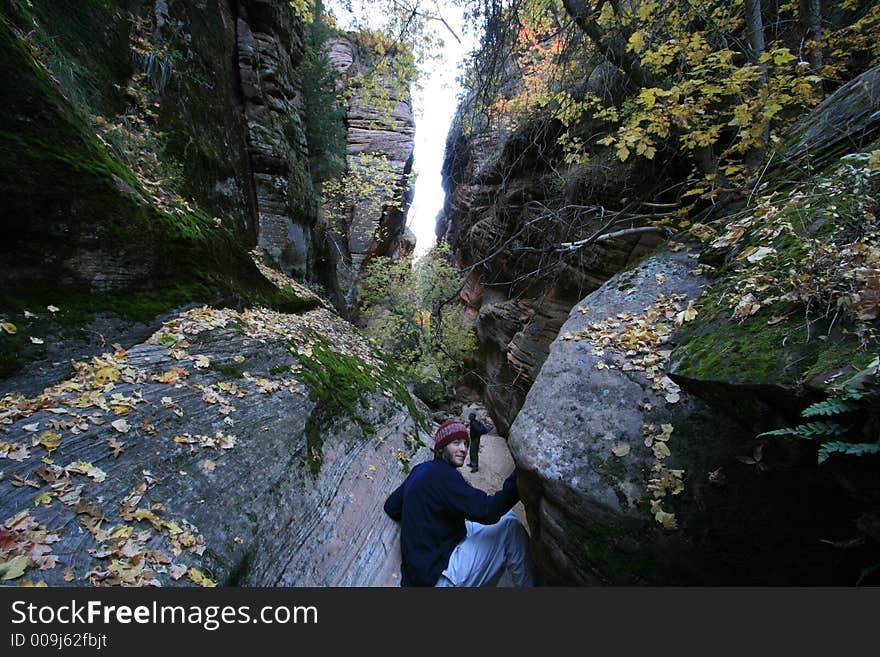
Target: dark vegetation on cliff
x=111, y=190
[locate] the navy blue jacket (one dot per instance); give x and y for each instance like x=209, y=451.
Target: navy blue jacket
x=477, y=428
x=432, y=505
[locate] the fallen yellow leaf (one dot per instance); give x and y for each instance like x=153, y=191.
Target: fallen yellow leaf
x=50, y=440
x=13, y=568
x=199, y=578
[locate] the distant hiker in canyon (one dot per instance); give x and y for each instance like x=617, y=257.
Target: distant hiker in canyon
x=453, y=534
x=477, y=429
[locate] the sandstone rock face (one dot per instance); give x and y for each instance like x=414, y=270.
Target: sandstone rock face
x=517, y=300
x=588, y=475
x=209, y=460
x=379, y=144
x=269, y=51
x=207, y=92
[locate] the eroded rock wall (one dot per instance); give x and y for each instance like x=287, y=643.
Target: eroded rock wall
x=370, y=220
x=629, y=479
x=496, y=182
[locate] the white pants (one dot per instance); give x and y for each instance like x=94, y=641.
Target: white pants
x=480, y=559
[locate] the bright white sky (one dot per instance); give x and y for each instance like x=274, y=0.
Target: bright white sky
x=434, y=106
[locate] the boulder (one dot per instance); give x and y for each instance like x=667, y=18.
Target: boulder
x=627, y=479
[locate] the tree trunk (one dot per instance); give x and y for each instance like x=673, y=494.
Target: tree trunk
x=811, y=19
x=612, y=43
x=755, y=31
x=757, y=46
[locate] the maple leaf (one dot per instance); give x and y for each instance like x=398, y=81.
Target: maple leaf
x=50, y=440
x=105, y=375
x=734, y=232
x=661, y=450
x=43, y=498
x=686, y=315
x=149, y=516
x=84, y=468
x=116, y=446
x=174, y=375
x=18, y=482
x=758, y=254
x=150, y=478
x=225, y=441
x=666, y=519
x=199, y=578
x=44, y=562
x=121, y=426
x=748, y=305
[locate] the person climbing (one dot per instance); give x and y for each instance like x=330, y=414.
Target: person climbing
x=477, y=429
x=452, y=534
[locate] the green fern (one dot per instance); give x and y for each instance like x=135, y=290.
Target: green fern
x=823, y=432
x=809, y=430
x=785, y=431
x=839, y=403
x=856, y=449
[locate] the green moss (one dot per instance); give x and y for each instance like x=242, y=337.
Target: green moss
x=338, y=385
x=65, y=31
x=713, y=348
x=11, y=360
x=784, y=343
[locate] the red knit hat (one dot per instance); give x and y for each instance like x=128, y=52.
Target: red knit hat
x=447, y=432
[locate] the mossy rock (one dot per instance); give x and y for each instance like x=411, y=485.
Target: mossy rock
x=340, y=387
x=79, y=227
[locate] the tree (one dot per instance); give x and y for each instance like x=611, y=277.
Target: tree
x=402, y=305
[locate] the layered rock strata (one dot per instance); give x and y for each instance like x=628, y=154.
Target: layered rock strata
x=371, y=219
x=216, y=462
x=518, y=295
